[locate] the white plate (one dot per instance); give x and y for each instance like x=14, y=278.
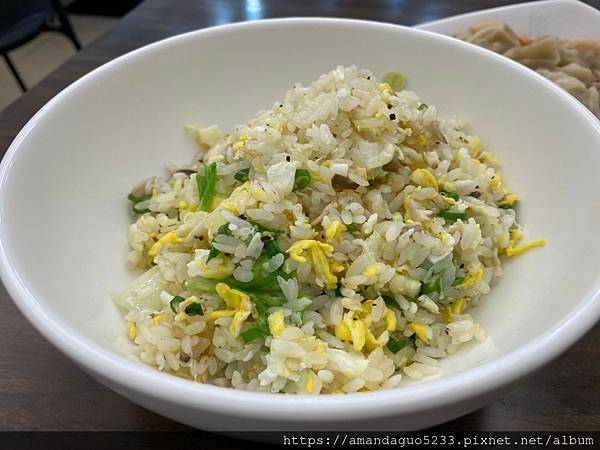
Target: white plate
x=562, y=18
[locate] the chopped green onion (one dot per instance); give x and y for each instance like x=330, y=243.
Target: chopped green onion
x=252, y=333
x=338, y=290
x=206, y=186
x=263, y=284
x=395, y=345
x=396, y=80
x=391, y=302
x=242, y=175
x=135, y=200
x=264, y=301
x=194, y=309
x=452, y=216
x=223, y=229
x=507, y=206
x=258, y=329
x=174, y=304
x=423, y=107
x=301, y=179
x=434, y=286
x=353, y=227
x=212, y=254
x=452, y=195
x=271, y=247
x=262, y=280
x=458, y=281
x=262, y=229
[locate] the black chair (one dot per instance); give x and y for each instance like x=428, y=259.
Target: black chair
x=23, y=20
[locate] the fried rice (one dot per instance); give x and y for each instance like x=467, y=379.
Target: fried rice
x=332, y=244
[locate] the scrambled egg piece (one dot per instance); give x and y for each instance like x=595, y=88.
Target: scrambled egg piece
x=496, y=182
x=230, y=203
x=515, y=251
x=420, y=330
x=457, y=306
x=315, y=254
x=169, y=238
x=310, y=384
x=515, y=236
x=385, y=87
x=238, y=304
x=243, y=140
x=156, y=320
x=425, y=178
x=353, y=330
x=356, y=330
x=132, y=330
x=454, y=308
x=509, y=198
x=390, y=320
x=448, y=200
x=489, y=158
x=422, y=140
x=372, y=271
x=342, y=332
x=334, y=231
x=276, y=323
x=471, y=279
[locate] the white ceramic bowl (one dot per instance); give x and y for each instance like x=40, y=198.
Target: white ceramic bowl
x=64, y=215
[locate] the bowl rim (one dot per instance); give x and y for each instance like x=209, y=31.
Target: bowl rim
x=117, y=368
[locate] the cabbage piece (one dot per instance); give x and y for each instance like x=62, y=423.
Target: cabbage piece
x=350, y=364
x=144, y=292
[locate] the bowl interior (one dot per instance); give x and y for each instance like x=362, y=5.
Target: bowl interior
x=64, y=210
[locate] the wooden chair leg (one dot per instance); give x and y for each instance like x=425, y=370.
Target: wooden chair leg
x=65, y=24
x=13, y=69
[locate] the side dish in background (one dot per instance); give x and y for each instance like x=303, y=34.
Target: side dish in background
x=332, y=244
x=573, y=64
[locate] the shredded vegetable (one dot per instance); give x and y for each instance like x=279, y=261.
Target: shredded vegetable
x=206, y=186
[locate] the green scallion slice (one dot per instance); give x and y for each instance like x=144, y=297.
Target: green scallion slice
x=208, y=190
x=433, y=286
x=391, y=302
x=271, y=247
x=452, y=216
x=396, y=80
x=242, y=175
x=137, y=200
x=174, y=304
x=258, y=329
x=458, y=281
x=452, y=195
x=301, y=179
x=394, y=345
x=194, y=309
x=262, y=229
x=353, y=227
